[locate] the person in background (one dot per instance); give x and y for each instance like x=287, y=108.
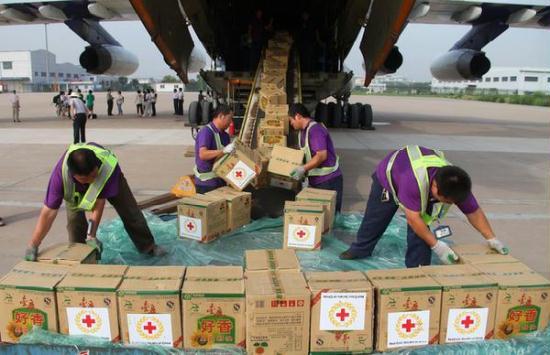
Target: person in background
x=119, y=102
x=147, y=100
x=67, y=103
x=212, y=142
x=79, y=114
x=321, y=162
x=153, y=102
x=90, y=98
x=80, y=95
x=2, y=223
x=110, y=100
x=15, y=106
x=180, y=101
x=139, y=103
x=175, y=99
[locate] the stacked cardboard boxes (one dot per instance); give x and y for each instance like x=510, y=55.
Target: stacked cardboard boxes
x=271, y=259
x=28, y=299
x=214, y=307
x=327, y=198
x=239, y=168
x=238, y=206
x=202, y=217
x=481, y=253
x=523, y=305
x=282, y=162
x=408, y=306
x=150, y=307
x=68, y=254
x=304, y=225
x=277, y=312
x=87, y=302
x=342, y=306
x=468, y=303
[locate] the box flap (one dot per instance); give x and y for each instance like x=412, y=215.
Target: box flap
x=66, y=251
x=348, y=280
x=145, y=278
x=412, y=279
x=94, y=277
x=214, y=281
x=464, y=275
x=200, y=200
x=303, y=206
x=34, y=276
x=271, y=259
x=284, y=160
x=314, y=191
x=227, y=193
x=513, y=275
x=277, y=283
x=480, y=253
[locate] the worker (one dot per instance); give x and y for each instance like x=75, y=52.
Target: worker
x=212, y=142
x=85, y=177
x=321, y=162
x=425, y=185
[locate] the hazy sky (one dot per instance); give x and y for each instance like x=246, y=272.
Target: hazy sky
x=420, y=44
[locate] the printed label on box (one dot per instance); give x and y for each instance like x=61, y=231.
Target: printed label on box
x=301, y=236
x=241, y=175
x=89, y=321
x=408, y=328
x=466, y=324
x=343, y=311
x=151, y=329
x=190, y=227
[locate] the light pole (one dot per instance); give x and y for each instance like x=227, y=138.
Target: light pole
x=47, y=55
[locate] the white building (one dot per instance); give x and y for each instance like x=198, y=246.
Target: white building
x=380, y=82
x=168, y=87
x=38, y=71
x=505, y=80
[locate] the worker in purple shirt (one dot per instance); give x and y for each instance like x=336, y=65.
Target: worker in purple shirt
x=211, y=143
x=321, y=162
x=85, y=177
x=425, y=185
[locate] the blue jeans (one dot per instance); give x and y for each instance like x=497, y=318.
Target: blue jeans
x=336, y=184
x=378, y=216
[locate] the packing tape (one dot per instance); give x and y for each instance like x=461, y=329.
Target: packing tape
x=279, y=291
x=271, y=259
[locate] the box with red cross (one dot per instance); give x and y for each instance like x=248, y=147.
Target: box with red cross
x=202, y=217
x=304, y=225
x=408, y=305
x=87, y=302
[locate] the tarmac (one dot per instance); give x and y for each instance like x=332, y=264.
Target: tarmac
x=505, y=148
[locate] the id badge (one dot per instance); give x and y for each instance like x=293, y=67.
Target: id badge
x=443, y=232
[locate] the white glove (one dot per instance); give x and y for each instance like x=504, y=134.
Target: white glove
x=445, y=253
x=298, y=173
x=228, y=149
x=498, y=246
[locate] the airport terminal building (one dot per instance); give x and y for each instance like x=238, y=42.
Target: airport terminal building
x=504, y=80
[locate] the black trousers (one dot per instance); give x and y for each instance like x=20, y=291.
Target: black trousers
x=139, y=109
x=176, y=106
x=109, y=107
x=126, y=206
x=79, y=128
x=180, y=107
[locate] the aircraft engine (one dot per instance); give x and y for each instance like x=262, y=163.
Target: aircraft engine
x=392, y=63
x=196, y=61
x=109, y=60
x=460, y=64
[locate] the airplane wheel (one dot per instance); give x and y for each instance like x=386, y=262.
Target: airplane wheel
x=337, y=116
x=331, y=108
x=321, y=112
x=206, y=112
x=355, y=115
x=367, y=117
x=194, y=113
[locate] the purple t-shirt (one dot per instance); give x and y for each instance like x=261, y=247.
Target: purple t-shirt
x=405, y=183
x=205, y=138
x=54, y=195
x=319, y=140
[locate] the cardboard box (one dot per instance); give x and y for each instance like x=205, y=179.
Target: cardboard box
x=150, y=307
x=272, y=141
x=274, y=77
x=325, y=197
x=277, y=312
x=480, y=253
x=202, y=218
x=284, y=160
x=468, y=303
x=304, y=225
x=276, y=110
x=342, y=307
x=214, y=307
x=271, y=95
x=523, y=305
x=271, y=127
x=237, y=169
x=239, y=206
x=27, y=299
x=284, y=182
x=271, y=259
x=408, y=303
x=68, y=254
x=87, y=302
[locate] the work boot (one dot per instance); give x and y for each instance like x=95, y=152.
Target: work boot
x=158, y=251
x=348, y=255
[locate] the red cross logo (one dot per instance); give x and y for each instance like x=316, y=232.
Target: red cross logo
x=239, y=174
x=150, y=327
x=342, y=315
x=408, y=325
x=467, y=322
x=301, y=234
x=190, y=226
x=88, y=320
